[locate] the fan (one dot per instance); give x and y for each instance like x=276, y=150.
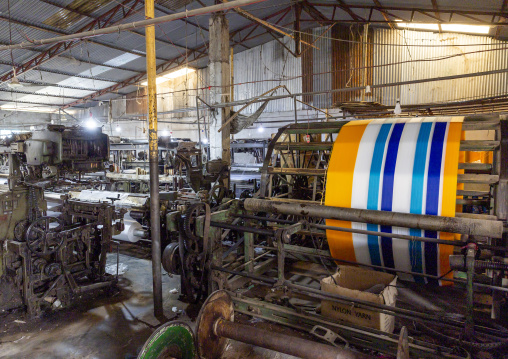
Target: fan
x=15, y=84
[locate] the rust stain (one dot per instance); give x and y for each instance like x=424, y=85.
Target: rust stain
x=65, y=18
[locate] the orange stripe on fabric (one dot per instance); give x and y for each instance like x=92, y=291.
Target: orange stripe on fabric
x=449, y=191
x=339, y=186
x=462, y=158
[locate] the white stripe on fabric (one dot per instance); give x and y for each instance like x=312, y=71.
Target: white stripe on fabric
x=401, y=200
x=360, y=189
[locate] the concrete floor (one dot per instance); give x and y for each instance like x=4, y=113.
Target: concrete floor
x=107, y=327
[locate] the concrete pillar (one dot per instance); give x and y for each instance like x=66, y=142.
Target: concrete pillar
x=220, y=80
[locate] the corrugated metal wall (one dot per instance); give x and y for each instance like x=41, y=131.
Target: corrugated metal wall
x=264, y=67
x=441, y=91
x=336, y=62
x=322, y=66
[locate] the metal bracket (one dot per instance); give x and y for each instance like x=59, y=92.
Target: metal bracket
x=328, y=336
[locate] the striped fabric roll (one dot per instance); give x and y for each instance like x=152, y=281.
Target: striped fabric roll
x=399, y=165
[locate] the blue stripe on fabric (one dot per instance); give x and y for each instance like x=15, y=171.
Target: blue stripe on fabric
x=373, y=195
x=415, y=247
x=432, y=200
x=387, y=191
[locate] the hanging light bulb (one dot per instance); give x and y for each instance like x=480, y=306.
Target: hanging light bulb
x=205, y=140
x=90, y=124
x=261, y=129
x=118, y=128
x=397, y=110
x=165, y=133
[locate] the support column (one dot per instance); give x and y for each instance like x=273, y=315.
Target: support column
x=220, y=80
x=154, y=163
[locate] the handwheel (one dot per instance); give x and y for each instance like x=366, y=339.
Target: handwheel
x=43, y=235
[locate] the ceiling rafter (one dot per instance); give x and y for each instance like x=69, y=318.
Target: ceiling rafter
x=70, y=57
x=436, y=11
x=255, y=25
x=128, y=7
x=313, y=12
x=502, y=13
x=177, y=61
x=503, y=9
x=68, y=8
x=64, y=73
x=347, y=9
x=58, y=32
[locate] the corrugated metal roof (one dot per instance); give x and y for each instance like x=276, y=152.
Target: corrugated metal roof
x=37, y=13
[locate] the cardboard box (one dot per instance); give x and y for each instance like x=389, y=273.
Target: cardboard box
x=351, y=283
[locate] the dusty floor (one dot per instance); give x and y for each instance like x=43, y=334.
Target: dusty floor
x=108, y=327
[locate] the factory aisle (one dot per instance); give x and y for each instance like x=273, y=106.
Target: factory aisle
x=113, y=327
x=107, y=327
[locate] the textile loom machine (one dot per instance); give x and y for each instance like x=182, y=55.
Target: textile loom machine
x=50, y=257
x=384, y=198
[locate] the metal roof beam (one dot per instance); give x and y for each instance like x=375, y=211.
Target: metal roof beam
x=127, y=7
x=59, y=72
x=503, y=9
x=441, y=10
x=436, y=11
x=347, y=9
x=314, y=13
x=68, y=8
x=164, y=67
x=57, y=32
x=71, y=58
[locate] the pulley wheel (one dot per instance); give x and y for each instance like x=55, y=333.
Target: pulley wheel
x=43, y=235
x=217, y=306
x=171, y=261
x=171, y=340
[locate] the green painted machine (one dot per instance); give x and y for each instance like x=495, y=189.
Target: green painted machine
x=50, y=256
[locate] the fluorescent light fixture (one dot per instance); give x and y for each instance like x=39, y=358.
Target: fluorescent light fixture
x=158, y=80
x=180, y=72
x=172, y=75
x=470, y=29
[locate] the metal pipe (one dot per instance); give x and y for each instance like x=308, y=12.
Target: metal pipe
x=154, y=163
x=473, y=227
x=282, y=343
x=149, y=22
x=382, y=268
x=242, y=228
x=261, y=218
x=390, y=235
